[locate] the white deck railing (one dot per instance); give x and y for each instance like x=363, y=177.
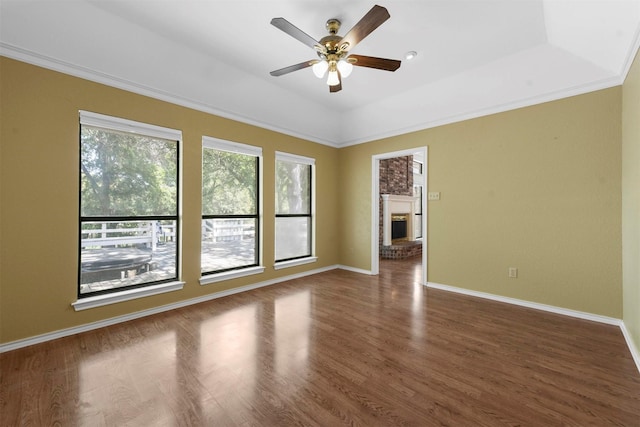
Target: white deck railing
x=148, y=233
x=227, y=230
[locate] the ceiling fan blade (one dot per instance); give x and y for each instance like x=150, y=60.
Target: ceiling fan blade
x=296, y=33
x=338, y=87
x=292, y=68
x=369, y=22
x=373, y=62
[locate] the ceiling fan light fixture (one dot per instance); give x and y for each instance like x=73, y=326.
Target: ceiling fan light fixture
x=345, y=67
x=333, y=79
x=320, y=68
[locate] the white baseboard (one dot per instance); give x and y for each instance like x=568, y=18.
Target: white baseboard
x=528, y=304
x=552, y=309
x=355, y=270
x=635, y=353
x=125, y=318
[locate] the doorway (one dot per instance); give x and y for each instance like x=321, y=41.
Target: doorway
x=421, y=153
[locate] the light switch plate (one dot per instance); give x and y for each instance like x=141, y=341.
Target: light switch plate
x=434, y=195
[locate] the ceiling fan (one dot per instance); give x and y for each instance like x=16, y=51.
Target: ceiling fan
x=333, y=50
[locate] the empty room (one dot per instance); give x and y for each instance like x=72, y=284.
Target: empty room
x=320, y=213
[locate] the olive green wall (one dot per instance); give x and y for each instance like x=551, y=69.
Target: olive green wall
x=631, y=201
x=537, y=188
x=39, y=195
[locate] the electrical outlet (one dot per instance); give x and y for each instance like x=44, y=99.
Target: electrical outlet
x=513, y=272
x=434, y=195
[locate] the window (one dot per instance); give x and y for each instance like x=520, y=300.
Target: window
x=294, y=207
x=129, y=192
x=417, y=192
x=417, y=167
x=230, y=206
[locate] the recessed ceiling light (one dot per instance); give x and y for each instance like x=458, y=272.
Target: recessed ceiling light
x=410, y=55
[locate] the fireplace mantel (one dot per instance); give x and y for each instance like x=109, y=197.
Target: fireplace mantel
x=393, y=204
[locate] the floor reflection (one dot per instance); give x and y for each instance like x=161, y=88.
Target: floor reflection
x=116, y=387
x=228, y=348
x=292, y=328
x=412, y=268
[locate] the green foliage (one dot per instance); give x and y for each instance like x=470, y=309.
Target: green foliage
x=293, y=188
x=229, y=183
x=127, y=174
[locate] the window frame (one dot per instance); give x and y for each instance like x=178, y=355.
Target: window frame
x=417, y=183
x=245, y=270
x=125, y=293
x=418, y=213
x=311, y=256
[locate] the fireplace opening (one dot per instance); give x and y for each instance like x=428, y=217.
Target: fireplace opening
x=398, y=227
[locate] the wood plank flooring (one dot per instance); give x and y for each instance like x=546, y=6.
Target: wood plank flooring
x=337, y=348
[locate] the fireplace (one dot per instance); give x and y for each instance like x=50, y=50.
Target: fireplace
x=397, y=213
x=399, y=227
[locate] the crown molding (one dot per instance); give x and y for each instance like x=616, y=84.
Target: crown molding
x=34, y=58
x=44, y=61
x=494, y=109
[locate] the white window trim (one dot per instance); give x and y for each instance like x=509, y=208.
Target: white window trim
x=127, y=295
x=251, y=150
x=123, y=125
x=294, y=262
x=231, y=146
x=295, y=158
x=232, y=274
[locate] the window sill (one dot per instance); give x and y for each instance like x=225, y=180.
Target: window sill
x=294, y=262
x=228, y=275
x=116, y=297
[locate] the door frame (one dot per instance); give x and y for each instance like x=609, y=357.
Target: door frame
x=375, y=206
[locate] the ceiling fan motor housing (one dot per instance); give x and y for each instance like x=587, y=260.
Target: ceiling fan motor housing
x=333, y=25
x=332, y=51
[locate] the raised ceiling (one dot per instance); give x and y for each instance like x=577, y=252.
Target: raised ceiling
x=475, y=57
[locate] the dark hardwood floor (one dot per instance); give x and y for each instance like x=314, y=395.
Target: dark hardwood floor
x=337, y=348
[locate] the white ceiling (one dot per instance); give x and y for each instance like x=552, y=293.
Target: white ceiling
x=475, y=57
